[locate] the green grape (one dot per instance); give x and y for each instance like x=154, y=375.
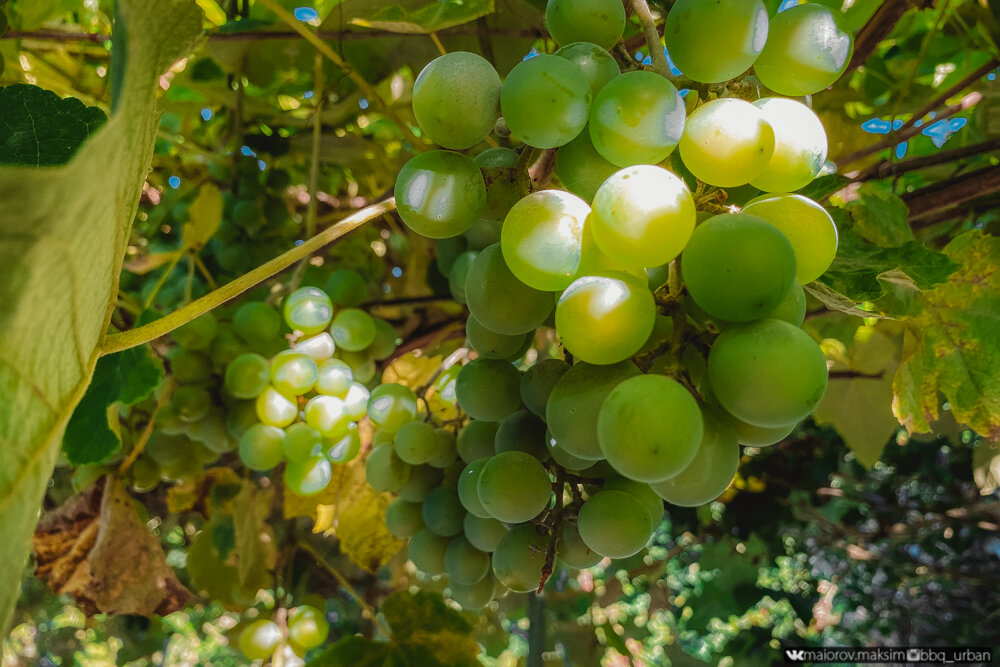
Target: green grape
x=580, y=168
x=456, y=99
x=800, y=145
x=712, y=42
x=468, y=488
x=423, y=479
x=257, y=323
x=464, y=563
x=188, y=366
x=403, y=518
x=309, y=310
x=614, y=524
x=262, y=447
x=491, y=345
x=791, y=308
x=319, y=348
x=308, y=627
x=485, y=232
x=642, y=492
x=477, y=595
x=334, y=378
x=484, y=533
x=344, y=449
x=500, y=301
x=346, y=288
x=807, y=50
x=738, y=267
x=391, y=406
x=596, y=63
x=198, y=333
x=542, y=239
x=226, y=346
x=145, y=474
x=356, y=401
x=192, y=403
x=458, y=274
x=575, y=402
x=643, y=216
x=537, y=383
x=353, y=330
x=503, y=189
x=361, y=363
x=488, y=389
x=328, y=415
x=564, y=458
x=593, y=262
x=211, y=432
x=709, y=474
x=519, y=557
x=385, y=471
x=514, y=487
x=259, y=639
x=476, y=439
x=383, y=438
x=427, y=551
x=760, y=436
x=414, y=442
x=637, y=118
x=448, y=251
x=767, y=373
x=727, y=142
x=599, y=21
x=385, y=342
x=445, y=450
x=182, y=471
x=301, y=442
x=241, y=416
x=605, y=319
x=293, y=373
x=440, y=194
x=540, y=113
x=308, y=477
x=443, y=512
x=522, y=431
x=806, y=225
x=649, y=428
x=572, y=550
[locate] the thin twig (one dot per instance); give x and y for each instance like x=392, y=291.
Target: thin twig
x=885, y=169
x=557, y=515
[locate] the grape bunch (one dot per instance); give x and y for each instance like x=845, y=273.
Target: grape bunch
x=679, y=319
x=307, y=628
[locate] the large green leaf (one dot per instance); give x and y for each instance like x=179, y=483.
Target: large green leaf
x=63, y=233
x=40, y=129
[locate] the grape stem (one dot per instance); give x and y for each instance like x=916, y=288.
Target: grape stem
x=656, y=54
x=556, y=521
x=144, y=334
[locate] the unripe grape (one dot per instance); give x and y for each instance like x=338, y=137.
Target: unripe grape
x=308, y=627
x=188, y=366
x=445, y=451
x=308, y=477
x=605, y=319
x=713, y=42
x=443, y=512
x=415, y=442
x=192, y=403
x=257, y=323
x=484, y=533
x=596, y=63
x=514, y=487
x=564, y=458
x=500, y=301
x=580, y=168
x=476, y=440
x=491, y=345
x=601, y=22
x=403, y=518
x=353, y=329
x=640, y=491
x=522, y=431
x=468, y=488
x=791, y=308
x=346, y=288
x=542, y=239
x=440, y=194
x=386, y=340
x=488, y=389
x=760, y=436
x=309, y=310
x=427, y=551
x=572, y=550
x=293, y=373
x=456, y=99
x=727, y=142
x=385, y=471
x=247, y=376
x=361, y=363
x=519, y=557
x=477, y=595
x=709, y=473
x=198, y=333
x=464, y=563
x=537, y=383
x=800, y=145
x=459, y=273
x=261, y=447
x=301, y=442
x=539, y=113
x=806, y=225
x=614, y=524
x=423, y=480
x=259, y=639
x=391, y=406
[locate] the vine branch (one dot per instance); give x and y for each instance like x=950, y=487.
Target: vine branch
x=144, y=334
x=656, y=54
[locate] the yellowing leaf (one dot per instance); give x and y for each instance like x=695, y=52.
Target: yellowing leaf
x=63, y=234
x=193, y=494
x=413, y=369
x=204, y=217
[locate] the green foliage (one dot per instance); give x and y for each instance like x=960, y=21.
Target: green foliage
x=40, y=129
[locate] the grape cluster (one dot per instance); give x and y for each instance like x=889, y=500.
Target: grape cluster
x=681, y=329
x=307, y=628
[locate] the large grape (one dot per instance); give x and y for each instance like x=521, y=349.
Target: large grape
x=301, y=442
x=392, y=405
x=503, y=189
x=275, y=408
x=808, y=48
x=445, y=450
x=806, y=225
x=637, y=118
x=484, y=533
x=247, y=376
x=328, y=415
x=711, y=471
x=649, y=428
x=262, y=447
x=800, y=145
x=500, y=301
x=564, y=458
x=440, y=194
x=580, y=168
x=293, y=373
x=614, y=524
x=403, y=518
x=605, y=319
x=309, y=310
x=572, y=550
x=599, y=21
x=727, y=142
x=415, y=442
x=640, y=491
x=575, y=401
x=537, y=383
x=353, y=329
x=488, y=389
x=716, y=41
x=545, y=101
x=427, y=551
x=792, y=307
x=596, y=63
x=423, y=480
x=514, y=487
x=476, y=439
x=767, y=373
x=385, y=471
x=335, y=378
x=738, y=267
x=643, y=216
x=443, y=512
x=474, y=596
x=344, y=448
x=468, y=488
x=522, y=432
x=491, y=345
x=542, y=238
x=308, y=477
x=456, y=99
x=519, y=557
x=464, y=563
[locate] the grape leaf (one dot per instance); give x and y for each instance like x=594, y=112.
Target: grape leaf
x=125, y=377
x=63, y=234
x=880, y=216
x=204, y=217
x=953, y=346
x=427, y=18
x=40, y=129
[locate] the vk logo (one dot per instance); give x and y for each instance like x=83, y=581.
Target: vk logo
x=795, y=655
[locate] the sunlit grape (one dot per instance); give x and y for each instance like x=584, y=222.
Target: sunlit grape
x=345, y=448
x=334, y=378
x=261, y=447
x=293, y=373
x=247, y=376
x=800, y=145
x=328, y=415
x=275, y=408
x=392, y=405
x=259, y=639
x=308, y=477
x=727, y=142
x=440, y=193
x=319, y=348
x=542, y=237
x=807, y=50
x=716, y=41
x=806, y=225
